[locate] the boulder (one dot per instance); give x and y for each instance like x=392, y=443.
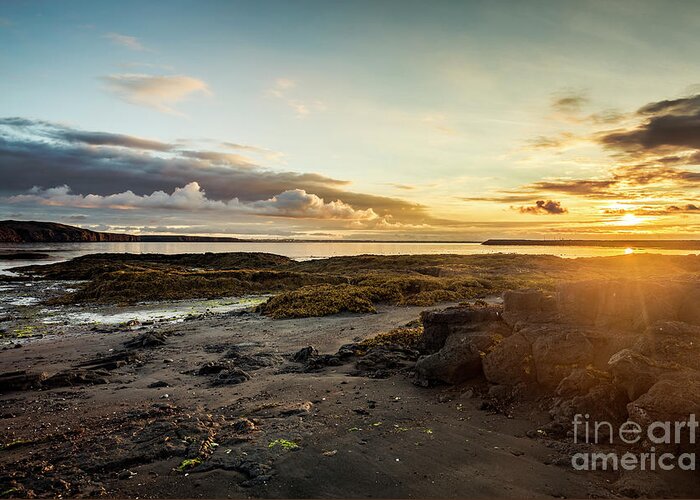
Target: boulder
x=602, y=402
x=633, y=372
x=459, y=359
x=557, y=354
x=671, y=343
x=580, y=381
x=625, y=304
x=528, y=306
x=438, y=325
x=509, y=362
x=672, y=399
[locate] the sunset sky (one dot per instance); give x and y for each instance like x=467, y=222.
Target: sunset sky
x=387, y=120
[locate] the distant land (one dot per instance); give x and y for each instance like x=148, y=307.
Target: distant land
x=661, y=244
x=12, y=231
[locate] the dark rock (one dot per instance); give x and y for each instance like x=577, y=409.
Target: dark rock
x=633, y=372
x=21, y=380
x=438, y=325
x=592, y=392
x=146, y=339
x=672, y=399
x=214, y=367
x=231, y=376
x=510, y=362
x=303, y=354
x=77, y=377
x=384, y=360
x=159, y=383
x=557, y=354
x=460, y=358
x=531, y=306
x=243, y=426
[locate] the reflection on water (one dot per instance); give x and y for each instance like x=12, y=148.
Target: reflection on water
x=146, y=313
x=304, y=250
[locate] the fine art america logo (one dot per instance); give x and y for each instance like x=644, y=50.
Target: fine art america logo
x=657, y=446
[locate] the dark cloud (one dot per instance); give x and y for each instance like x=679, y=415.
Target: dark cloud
x=502, y=198
x=107, y=139
x=570, y=102
x=74, y=136
x=542, y=207
x=577, y=187
x=28, y=160
x=673, y=124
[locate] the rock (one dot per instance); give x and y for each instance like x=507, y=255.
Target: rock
x=384, y=360
x=76, y=377
x=633, y=372
x=111, y=362
x=510, y=362
x=557, y=354
x=255, y=361
x=527, y=306
x=672, y=399
x=296, y=409
x=591, y=393
x=303, y=354
x=214, y=367
x=626, y=304
x=159, y=383
x=438, y=325
x=671, y=343
x=231, y=376
x=146, y=339
x=21, y=380
x=580, y=381
x=243, y=426
x=459, y=359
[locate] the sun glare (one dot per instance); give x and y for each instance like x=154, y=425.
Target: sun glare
x=629, y=251
x=628, y=220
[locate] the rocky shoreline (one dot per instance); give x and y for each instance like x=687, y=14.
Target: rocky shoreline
x=474, y=399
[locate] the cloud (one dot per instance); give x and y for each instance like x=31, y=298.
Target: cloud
x=159, y=92
x=266, y=153
x=577, y=187
x=684, y=209
x=299, y=203
x=46, y=155
x=570, y=102
x=130, y=42
x=542, y=207
x=553, y=142
x=673, y=124
x=284, y=90
x=295, y=203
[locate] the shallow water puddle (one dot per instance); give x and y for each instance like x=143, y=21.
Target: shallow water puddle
x=147, y=313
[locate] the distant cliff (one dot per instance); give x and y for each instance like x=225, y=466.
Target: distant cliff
x=12, y=231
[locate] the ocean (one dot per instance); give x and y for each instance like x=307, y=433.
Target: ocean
x=302, y=250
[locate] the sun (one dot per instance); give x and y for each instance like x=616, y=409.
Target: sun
x=629, y=251
x=628, y=220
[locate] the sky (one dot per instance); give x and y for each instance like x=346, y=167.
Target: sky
x=387, y=120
